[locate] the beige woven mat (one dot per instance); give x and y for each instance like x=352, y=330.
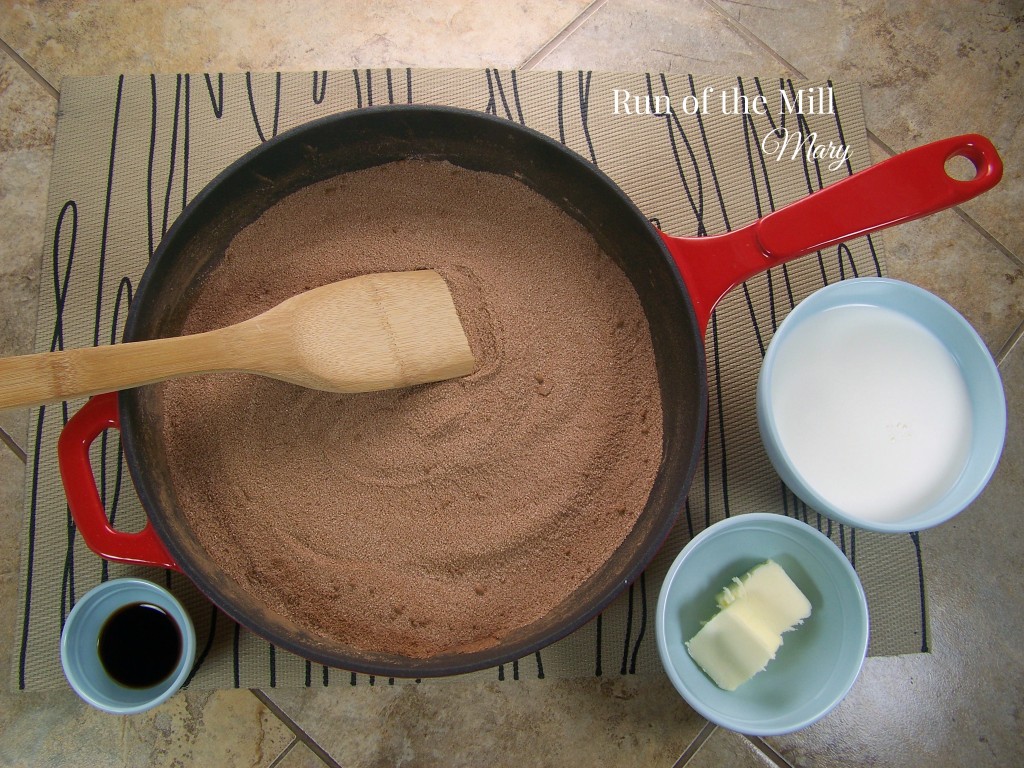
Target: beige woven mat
x=131, y=151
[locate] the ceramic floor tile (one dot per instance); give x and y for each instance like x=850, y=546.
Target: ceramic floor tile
x=544, y=722
x=724, y=747
x=76, y=37
x=27, y=112
x=928, y=70
x=298, y=755
x=228, y=728
x=659, y=36
x=24, y=175
x=963, y=703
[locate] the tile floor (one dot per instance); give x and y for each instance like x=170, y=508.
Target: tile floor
x=928, y=69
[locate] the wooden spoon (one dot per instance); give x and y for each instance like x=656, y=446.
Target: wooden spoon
x=378, y=331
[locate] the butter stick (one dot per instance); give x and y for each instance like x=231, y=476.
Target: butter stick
x=746, y=633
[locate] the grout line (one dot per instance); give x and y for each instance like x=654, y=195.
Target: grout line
x=542, y=52
x=11, y=443
x=750, y=37
x=284, y=752
x=29, y=69
x=297, y=729
x=695, y=745
x=980, y=229
x=768, y=751
x=872, y=136
x=1010, y=343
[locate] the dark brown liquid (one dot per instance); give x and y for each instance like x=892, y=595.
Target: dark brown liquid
x=140, y=645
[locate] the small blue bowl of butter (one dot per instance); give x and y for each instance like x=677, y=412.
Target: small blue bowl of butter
x=819, y=658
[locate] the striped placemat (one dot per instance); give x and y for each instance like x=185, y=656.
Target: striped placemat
x=698, y=155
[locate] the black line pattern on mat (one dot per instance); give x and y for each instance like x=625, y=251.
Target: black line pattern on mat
x=496, y=90
x=758, y=170
x=693, y=189
x=561, y=107
x=915, y=537
x=389, y=82
x=515, y=670
x=186, y=142
x=60, y=291
x=716, y=367
x=207, y=646
x=106, y=211
x=173, y=156
x=216, y=101
x=624, y=667
x=236, y=658
x=149, y=171
x=359, y=90
x=31, y=550
x=252, y=106
x=319, y=86
x=583, y=92
x=708, y=157
x=584, y=89
x=629, y=659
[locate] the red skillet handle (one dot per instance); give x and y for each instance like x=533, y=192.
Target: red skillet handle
x=141, y=548
x=904, y=187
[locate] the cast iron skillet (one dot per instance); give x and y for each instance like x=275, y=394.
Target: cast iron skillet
x=678, y=281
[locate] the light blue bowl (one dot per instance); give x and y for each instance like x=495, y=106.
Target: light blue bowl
x=818, y=662
x=80, y=640
x=979, y=371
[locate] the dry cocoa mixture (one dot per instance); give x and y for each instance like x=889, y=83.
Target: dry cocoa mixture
x=437, y=518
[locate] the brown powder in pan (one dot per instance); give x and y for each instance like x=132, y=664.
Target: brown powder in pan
x=441, y=517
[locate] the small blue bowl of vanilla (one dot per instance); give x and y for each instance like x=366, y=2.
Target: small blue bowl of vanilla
x=816, y=662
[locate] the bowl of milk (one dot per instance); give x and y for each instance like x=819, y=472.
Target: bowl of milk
x=880, y=406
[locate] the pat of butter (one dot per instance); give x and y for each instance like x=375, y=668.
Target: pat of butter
x=732, y=649
x=754, y=611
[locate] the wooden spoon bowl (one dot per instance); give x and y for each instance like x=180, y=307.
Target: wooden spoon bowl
x=376, y=331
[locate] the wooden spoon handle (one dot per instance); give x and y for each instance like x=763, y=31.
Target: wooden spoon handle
x=54, y=376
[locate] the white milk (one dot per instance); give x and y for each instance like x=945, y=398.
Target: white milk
x=873, y=411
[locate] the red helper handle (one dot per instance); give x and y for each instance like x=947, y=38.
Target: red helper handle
x=141, y=548
x=905, y=187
